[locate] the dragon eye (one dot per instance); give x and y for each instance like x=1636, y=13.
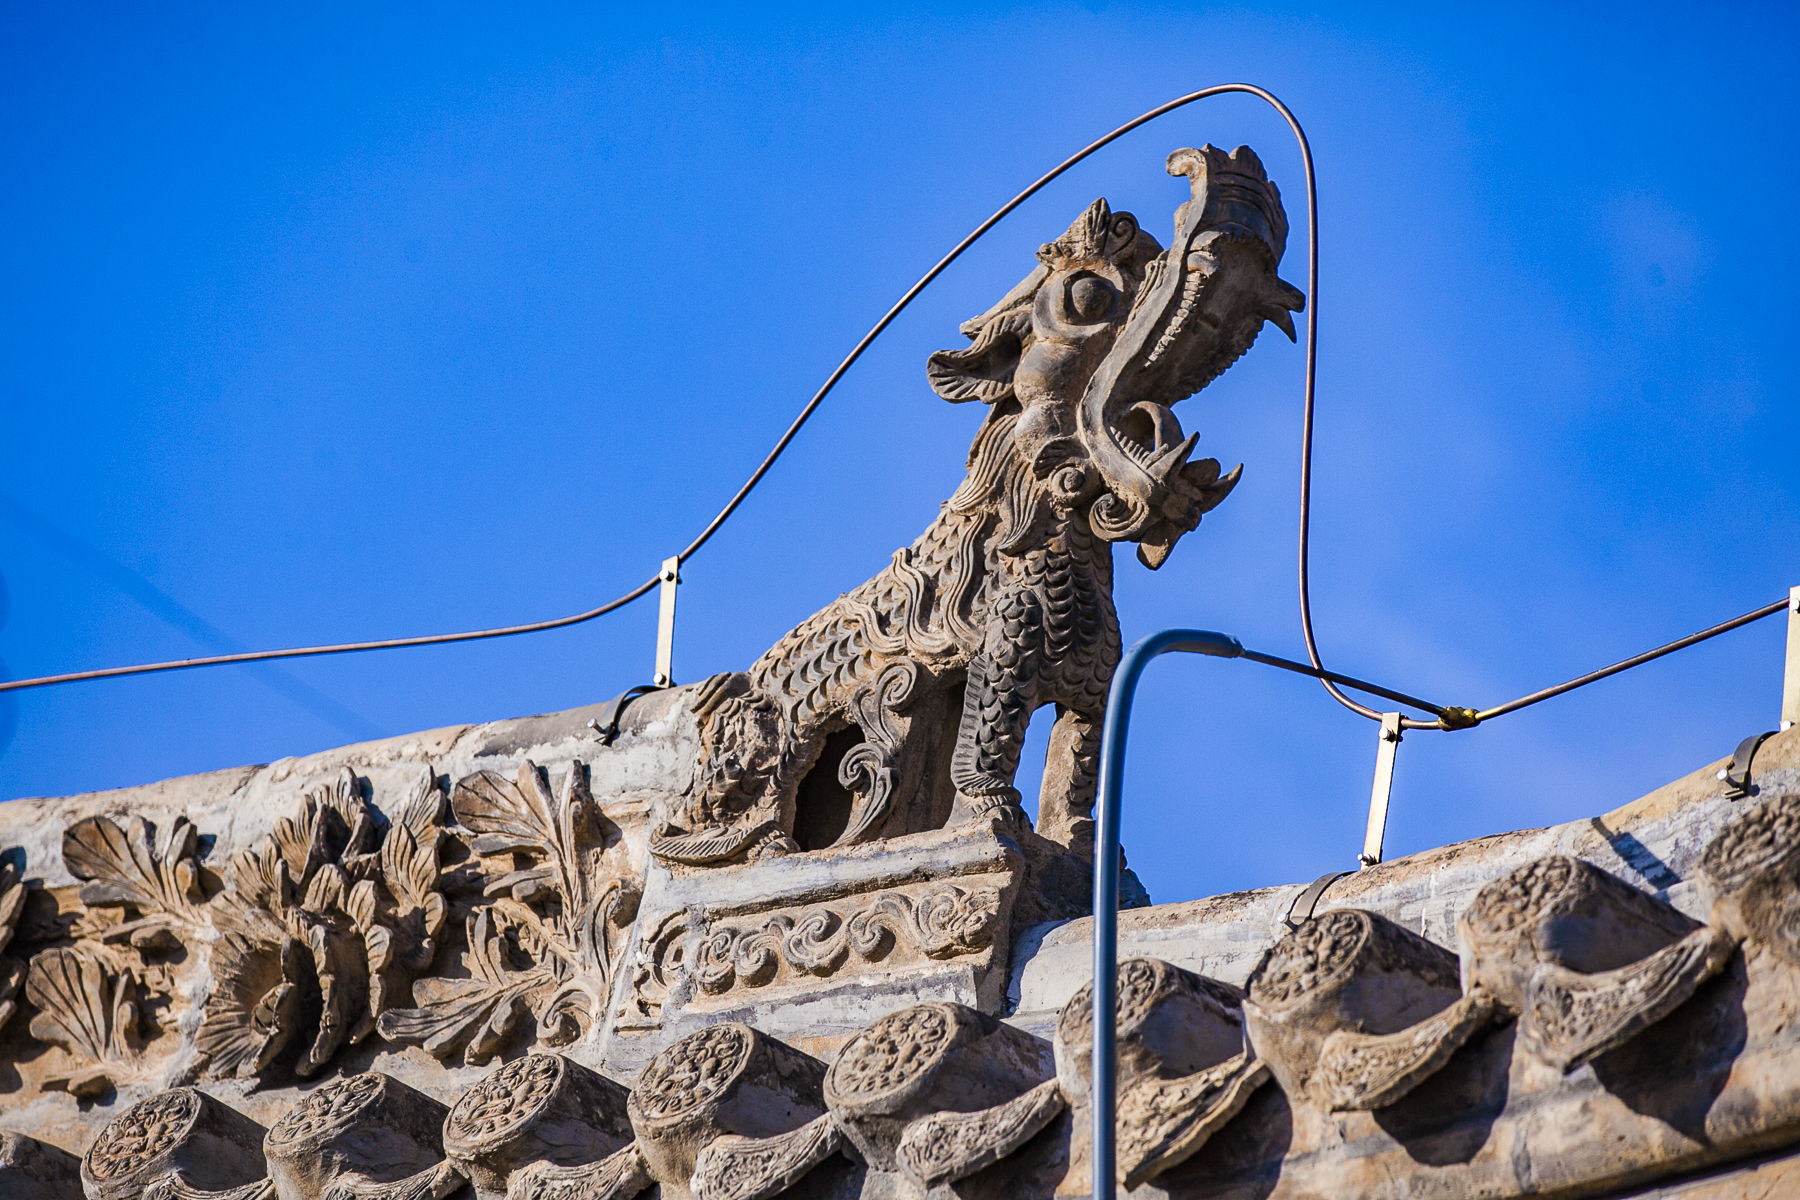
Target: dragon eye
x=1091, y=297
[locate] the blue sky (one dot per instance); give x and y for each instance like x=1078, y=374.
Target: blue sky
x=331, y=323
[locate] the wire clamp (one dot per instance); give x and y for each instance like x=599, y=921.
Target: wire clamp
x=1736, y=777
x=1458, y=718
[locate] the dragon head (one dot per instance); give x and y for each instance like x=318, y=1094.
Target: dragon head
x=1110, y=330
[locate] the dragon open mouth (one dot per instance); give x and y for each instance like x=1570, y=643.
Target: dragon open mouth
x=1200, y=306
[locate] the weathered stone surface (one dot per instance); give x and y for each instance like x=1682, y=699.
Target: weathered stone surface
x=1184, y=1069
x=931, y=1058
x=33, y=1170
x=368, y=1128
x=726, y=1080
x=539, y=1108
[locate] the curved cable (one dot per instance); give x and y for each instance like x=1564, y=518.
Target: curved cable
x=1312, y=220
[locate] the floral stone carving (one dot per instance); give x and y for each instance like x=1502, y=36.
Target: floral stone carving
x=333, y=889
x=565, y=915
x=143, y=901
x=178, y=1142
x=913, y=692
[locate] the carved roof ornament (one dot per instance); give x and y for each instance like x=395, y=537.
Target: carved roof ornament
x=1004, y=604
x=728, y=1081
x=174, y=1144
x=1351, y=1011
x=824, y=838
x=1184, y=1071
x=539, y=1108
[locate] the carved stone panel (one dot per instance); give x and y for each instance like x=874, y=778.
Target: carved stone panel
x=931, y=1058
x=564, y=911
x=331, y=900
x=368, y=1128
x=539, y=1108
x=726, y=1079
x=182, y=1132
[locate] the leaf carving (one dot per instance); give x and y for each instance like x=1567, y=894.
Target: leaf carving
x=86, y=1010
x=508, y=815
x=127, y=866
x=12, y=971
x=254, y=1008
x=336, y=887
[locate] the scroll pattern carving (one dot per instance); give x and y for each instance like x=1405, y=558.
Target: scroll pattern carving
x=893, y=1097
x=951, y=1145
x=743, y=1168
x=940, y=922
x=564, y=915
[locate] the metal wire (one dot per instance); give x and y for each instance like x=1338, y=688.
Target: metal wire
x=800, y=421
x=1767, y=610
x=1287, y=664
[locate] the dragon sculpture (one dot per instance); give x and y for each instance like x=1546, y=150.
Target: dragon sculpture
x=903, y=705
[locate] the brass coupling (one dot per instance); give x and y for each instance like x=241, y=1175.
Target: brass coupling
x=1459, y=718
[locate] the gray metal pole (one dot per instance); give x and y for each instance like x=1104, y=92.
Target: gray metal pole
x=1106, y=880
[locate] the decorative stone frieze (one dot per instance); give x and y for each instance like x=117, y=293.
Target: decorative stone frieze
x=938, y=921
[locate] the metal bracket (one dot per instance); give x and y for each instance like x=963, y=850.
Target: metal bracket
x=1790, y=676
x=1301, y=910
x=665, y=624
x=1381, y=790
x=606, y=725
x=1736, y=777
